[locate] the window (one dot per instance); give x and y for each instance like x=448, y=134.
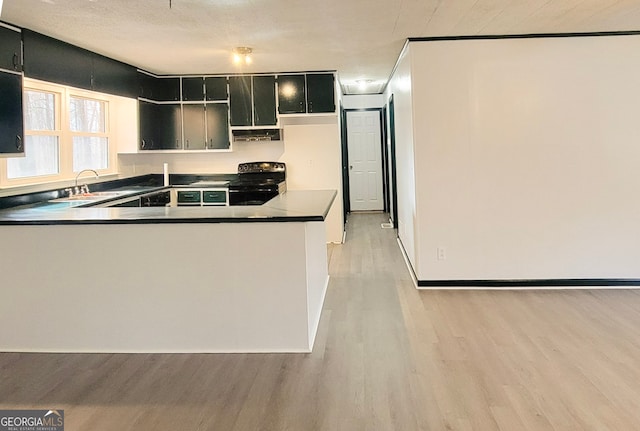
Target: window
x=66, y=130
x=42, y=143
x=90, y=142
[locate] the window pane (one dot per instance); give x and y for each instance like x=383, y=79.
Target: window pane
x=86, y=115
x=39, y=111
x=90, y=153
x=41, y=158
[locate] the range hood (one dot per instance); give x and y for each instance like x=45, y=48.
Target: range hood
x=249, y=135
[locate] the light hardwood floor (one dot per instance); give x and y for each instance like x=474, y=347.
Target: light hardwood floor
x=387, y=357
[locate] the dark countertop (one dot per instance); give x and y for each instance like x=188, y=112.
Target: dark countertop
x=292, y=206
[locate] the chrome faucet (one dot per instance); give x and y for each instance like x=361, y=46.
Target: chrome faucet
x=85, y=188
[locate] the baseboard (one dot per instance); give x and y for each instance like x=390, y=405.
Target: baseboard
x=562, y=283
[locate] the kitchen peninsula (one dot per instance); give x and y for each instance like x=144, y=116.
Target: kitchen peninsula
x=182, y=279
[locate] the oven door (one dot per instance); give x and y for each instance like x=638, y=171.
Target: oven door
x=251, y=197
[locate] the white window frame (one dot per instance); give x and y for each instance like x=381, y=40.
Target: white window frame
x=65, y=135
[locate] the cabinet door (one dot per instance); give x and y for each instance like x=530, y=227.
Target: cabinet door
x=264, y=101
x=159, y=89
x=169, y=127
x=240, y=100
x=10, y=49
x=216, y=88
x=11, y=129
x=52, y=60
x=113, y=77
x=320, y=93
x=192, y=89
x=147, y=115
x=166, y=89
x=193, y=126
x=217, y=126
x=291, y=94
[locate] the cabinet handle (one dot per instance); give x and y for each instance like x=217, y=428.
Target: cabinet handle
x=186, y=142
x=177, y=143
x=144, y=144
x=19, y=145
x=15, y=61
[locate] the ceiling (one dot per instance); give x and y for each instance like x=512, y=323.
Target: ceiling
x=361, y=39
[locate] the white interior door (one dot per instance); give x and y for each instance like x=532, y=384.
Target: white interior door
x=365, y=166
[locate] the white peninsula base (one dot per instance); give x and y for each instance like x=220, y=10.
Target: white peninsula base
x=171, y=287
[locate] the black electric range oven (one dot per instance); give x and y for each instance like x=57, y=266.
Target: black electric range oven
x=257, y=183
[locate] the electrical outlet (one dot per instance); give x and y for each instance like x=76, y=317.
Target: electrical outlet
x=442, y=254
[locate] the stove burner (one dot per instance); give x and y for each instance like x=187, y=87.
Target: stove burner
x=257, y=183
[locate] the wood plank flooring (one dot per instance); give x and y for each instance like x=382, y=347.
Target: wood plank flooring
x=387, y=357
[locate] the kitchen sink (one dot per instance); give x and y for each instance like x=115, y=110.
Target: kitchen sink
x=93, y=196
x=58, y=205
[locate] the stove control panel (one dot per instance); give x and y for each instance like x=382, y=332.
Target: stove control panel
x=260, y=167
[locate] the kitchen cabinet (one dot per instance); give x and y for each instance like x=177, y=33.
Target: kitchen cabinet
x=10, y=49
x=113, y=77
x=169, y=126
x=264, y=101
x=217, y=117
x=252, y=100
x=291, y=94
x=193, y=89
x=193, y=123
x=11, y=125
x=320, y=93
x=240, y=100
x=206, y=126
x=312, y=93
x=158, y=89
x=200, y=88
x=160, y=126
x=55, y=61
x=52, y=60
x=216, y=88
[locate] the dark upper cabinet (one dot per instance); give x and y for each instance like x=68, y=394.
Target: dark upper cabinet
x=240, y=100
x=252, y=100
x=310, y=93
x=193, y=89
x=146, y=127
x=113, y=77
x=320, y=93
x=55, y=61
x=264, y=101
x=10, y=49
x=52, y=60
x=205, y=126
x=291, y=94
x=160, y=126
x=216, y=88
x=158, y=89
x=11, y=126
x=193, y=124
x=217, y=116
x=169, y=126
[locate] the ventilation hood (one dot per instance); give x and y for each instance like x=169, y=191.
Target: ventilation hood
x=249, y=135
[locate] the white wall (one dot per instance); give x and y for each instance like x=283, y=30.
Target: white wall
x=363, y=101
x=526, y=155
x=400, y=86
x=311, y=150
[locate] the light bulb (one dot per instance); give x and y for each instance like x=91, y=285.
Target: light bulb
x=247, y=59
x=237, y=58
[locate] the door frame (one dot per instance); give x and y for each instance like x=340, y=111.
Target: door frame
x=392, y=162
x=345, y=158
